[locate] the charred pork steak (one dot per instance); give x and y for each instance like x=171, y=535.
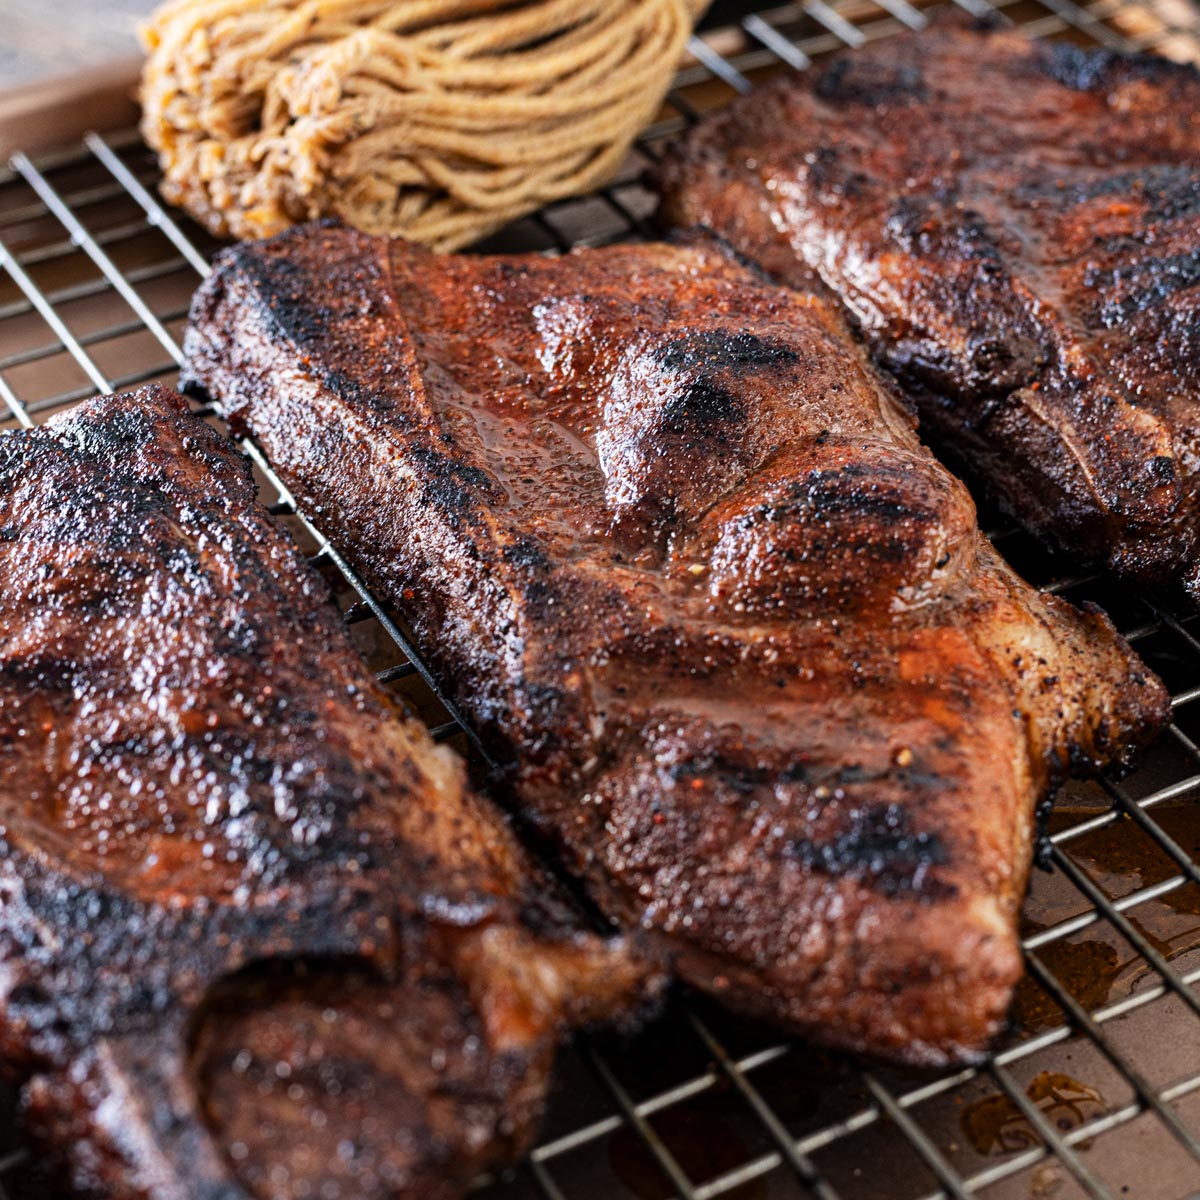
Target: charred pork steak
x=1014, y=226
x=257, y=938
x=685, y=564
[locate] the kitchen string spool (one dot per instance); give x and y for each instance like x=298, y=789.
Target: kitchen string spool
x=437, y=120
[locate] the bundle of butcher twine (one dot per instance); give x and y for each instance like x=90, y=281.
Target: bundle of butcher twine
x=437, y=119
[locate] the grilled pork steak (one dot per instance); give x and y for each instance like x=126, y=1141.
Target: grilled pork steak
x=689, y=570
x=1015, y=228
x=257, y=939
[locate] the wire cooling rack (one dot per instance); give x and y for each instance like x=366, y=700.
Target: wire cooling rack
x=1095, y=1093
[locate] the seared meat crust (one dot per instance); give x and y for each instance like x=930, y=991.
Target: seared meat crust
x=1015, y=228
x=257, y=938
x=686, y=566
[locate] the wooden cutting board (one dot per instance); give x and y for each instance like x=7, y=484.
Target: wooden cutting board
x=62, y=37
x=66, y=66
x=57, y=112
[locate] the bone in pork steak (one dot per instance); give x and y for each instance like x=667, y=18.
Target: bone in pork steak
x=1015, y=228
x=686, y=566
x=257, y=938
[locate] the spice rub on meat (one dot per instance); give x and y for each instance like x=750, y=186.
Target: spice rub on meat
x=681, y=558
x=257, y=937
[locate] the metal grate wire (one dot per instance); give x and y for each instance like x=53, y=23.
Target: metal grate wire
x=95, y=276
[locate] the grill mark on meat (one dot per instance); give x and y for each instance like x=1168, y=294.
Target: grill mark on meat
x=1034, y=288
x=879, y=844
x=701, y=409
x=1167, y=190
x=845, y=83
x=825, y=493
x=697, y=639
x=222, y=850
x=705, y=407
x=1097, y=69
x=453, y=485
x=1142, y=285
x=1076, y=68
x=719, y=349
x=525, y=552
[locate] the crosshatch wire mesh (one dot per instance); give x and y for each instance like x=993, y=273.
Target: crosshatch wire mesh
x=1095, y=1092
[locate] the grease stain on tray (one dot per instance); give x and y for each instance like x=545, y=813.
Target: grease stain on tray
x=994, y=1125
x=1097, y=966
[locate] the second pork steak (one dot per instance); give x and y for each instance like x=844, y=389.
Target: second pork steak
x=688, y=569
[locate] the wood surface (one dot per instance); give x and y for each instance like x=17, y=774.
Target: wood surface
x=40, y=38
